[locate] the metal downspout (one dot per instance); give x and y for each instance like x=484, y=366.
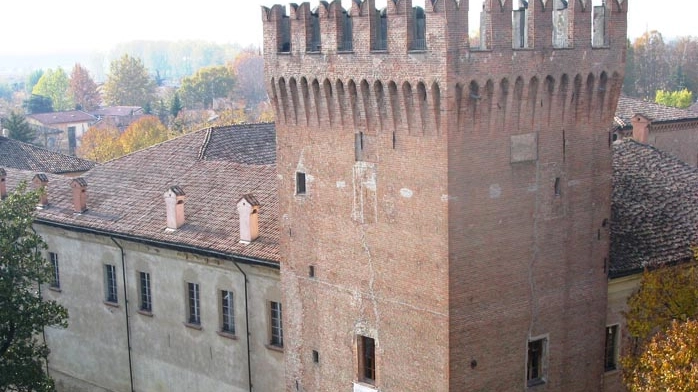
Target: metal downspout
x=247, y=329
x=128, y=328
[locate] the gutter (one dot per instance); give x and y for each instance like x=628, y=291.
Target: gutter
x=128, y=325
x=163, y=244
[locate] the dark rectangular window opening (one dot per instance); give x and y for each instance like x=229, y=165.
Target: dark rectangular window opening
x=311, y=271
x=277, y=336
x=316, y=356
x=146, y=300
x=227, y=312
x=55, y=276
x=300, y=183
x=110, y=288
x=558, y=190
x=611, y=351
x=367, y=359
x=536, y=358
x=194, y=302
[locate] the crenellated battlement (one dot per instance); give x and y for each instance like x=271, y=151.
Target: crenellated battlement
x=442, y=25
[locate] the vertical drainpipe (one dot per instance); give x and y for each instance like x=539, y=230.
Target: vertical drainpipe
x=247, y=328
x=128, y=329
x=41, y=296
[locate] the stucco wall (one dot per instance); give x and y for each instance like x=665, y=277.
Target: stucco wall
x=91, y=354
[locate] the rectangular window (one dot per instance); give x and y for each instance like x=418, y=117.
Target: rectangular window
x=146, y=299
x=300, y=183
x=110, y=293
x=536, y=361
x=55, y=277
x=367, y=359
x=194, y=316
x=277, y=333
x=227, y=312
x=611, y=352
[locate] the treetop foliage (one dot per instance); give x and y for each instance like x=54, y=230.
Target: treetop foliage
x=83, y=89
x=55, y=85
x=128, y=83
x=18, y=128
x=23, y=312
x=678, y=99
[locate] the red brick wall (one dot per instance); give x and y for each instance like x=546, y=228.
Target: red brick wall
x=440, y=247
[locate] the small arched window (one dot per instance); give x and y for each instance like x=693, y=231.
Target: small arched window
x=419, y=29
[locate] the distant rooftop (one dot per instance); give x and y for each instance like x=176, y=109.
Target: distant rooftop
x=54, y=118
x=629, y=107
x=117, y=111
x=24, y=156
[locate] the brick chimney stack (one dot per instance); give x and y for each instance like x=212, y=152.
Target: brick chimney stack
x=248, y=209
x=3, y=184
x=40, y=181
x=174, y=202
x=79, y=186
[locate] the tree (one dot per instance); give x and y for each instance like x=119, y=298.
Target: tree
x=23, y=313
x=666, y=294
x=175, y=106
x=248, y=69
x=142, y=133
x=83, y=89
x=670, y=362
x=128, y=83
x=205, y=85
x=38, y=104
x=677, y=99
x=33, y=79
x=101, y=144
x=55, y=84
x=18, y=128
x=651, y=65
x=630, y=80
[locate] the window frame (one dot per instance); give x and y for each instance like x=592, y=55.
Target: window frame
x=111, y=286
x=537, y=357
x=55, y=283
x=610, y=363
x=227, y=311
x=301, y=183
x=193, y=304
x=366, y=357
x=145, y=292
x=276, y=329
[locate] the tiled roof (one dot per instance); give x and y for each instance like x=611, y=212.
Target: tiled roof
x=18, y=155
x=118, y=111
x=126, y=196
x=73, y=116
x=628, y=107
x=654, y=209
x=253, y=144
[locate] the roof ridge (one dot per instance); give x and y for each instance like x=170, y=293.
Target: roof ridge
x=204, y=145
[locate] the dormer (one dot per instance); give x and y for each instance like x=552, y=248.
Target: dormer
x=174, y=204
x=248, y=210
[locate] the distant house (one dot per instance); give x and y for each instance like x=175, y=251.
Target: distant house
x=61, y=131
x=669, y=129
x=118, y=116
x=24, y=156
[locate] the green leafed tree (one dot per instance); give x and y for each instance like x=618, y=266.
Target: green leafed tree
x=206, y=85
x=55, y=85
x=38, y=104
x=18, y=128
x=678, y=99
x=175, y=105
x=129, y=83
x=23, y=312
x=33, y=79
x=83, y=89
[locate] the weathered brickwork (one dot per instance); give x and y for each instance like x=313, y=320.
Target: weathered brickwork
x=455, y=197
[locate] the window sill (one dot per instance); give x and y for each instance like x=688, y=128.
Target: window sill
x=147, y=313
x=535, y=382
x=55, y=289
x=610, y=372
x=360, y=386
x=112, y=304
x=197, y=327
x=274, y=347
x=227, y=335
x=379, y=51
x=342, y=51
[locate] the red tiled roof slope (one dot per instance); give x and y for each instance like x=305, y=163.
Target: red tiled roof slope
x=24, y=156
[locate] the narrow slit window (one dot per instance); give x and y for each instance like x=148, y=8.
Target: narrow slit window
x=55, y=276
x=194, y=302
x=367, y=359
x=300, y=183
x=146, y=299
x=227, y=312
x=277, y=335
x=535, y=372
x=611, y=350
x=110, y=288
x=558, y=190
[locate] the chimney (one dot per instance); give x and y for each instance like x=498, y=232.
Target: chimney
x=3, y=184
x=641, y=128
x=174, y=203
x=40, y=181
x=248, y=208
x=79, y=186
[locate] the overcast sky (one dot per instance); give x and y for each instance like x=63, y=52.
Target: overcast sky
x=42, y=26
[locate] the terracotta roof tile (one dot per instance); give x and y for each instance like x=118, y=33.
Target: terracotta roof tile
x=628, y=107
x=654, y=209
x=125, y=195
x=18, y=155
x=72, y=116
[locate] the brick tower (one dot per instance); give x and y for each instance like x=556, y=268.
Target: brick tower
x=444, y=203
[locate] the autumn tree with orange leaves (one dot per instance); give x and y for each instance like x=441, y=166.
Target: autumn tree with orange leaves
x=83, y=89
x=101, y=144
